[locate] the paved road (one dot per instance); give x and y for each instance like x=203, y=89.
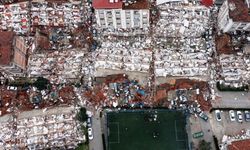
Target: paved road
x=226, y=126
x=232, y=100
x=197, y=125
x=96, y=143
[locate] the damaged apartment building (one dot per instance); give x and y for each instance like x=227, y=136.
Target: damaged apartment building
x=123, y=55
x=41, y=130
x=182, y=50
x=234, y=15
x=183, y=44
x=13, y=53
x=233, y=44
x=118, y=14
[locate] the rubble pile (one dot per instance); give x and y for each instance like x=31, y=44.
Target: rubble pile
x=61, y=38
x=23, y=15
x=43, y=130
x=54, y=14
x=188, y=57
x=15, y=16
x=123, y=32
x=6, y=134
x=57, y=66
x=183, y=40
x=184, y=94
x=235, y=68
x=181, y=20
x=124, y=54
x=118, y=91
x=6, y=98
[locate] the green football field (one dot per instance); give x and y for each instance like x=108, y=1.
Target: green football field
x=146, y=130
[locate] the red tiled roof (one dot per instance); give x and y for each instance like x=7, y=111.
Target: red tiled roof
x=140, y=4
x=239, y=13
x=240, y=145
x=207, y=3
x=105, y=4
x=5, y=47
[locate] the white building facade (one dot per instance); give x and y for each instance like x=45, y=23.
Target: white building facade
x=229, y=24
x=120, y=18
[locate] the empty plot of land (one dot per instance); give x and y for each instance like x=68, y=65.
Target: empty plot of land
x=147, y=130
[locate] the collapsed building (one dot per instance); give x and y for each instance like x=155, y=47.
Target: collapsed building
x=233, y=58
x=14, y=53
x=21, y=17
x=234, y=15
x=183, y=40
x=57, y=66
x=41, y=130
x=125, y=54
x=15, y=17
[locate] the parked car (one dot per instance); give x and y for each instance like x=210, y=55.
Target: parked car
x=247, y=115
x=232, y=115
x=90, y=134
x=203, y=116
x=239, y=114
x=218, y=115
x=11, y=88
x=89, y=122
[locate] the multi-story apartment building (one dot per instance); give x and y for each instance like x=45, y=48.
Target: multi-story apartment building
x=117, y=14
x=13, y=53
x=234, y=15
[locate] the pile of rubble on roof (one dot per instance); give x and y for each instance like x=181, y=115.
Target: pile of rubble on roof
x=60, y=38
x=182, y=20
x=57, y=66
x=15, y=16
x=54, y=14
x=234, y=58
x=235, y=67
x=187, y=47
x=129, y=54
x=51, y=129
x=6, y=100
x=18, y=16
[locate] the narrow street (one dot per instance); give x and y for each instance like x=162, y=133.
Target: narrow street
x=96, y=143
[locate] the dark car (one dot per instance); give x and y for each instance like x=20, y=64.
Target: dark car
x=203, y=116
x=89, y=122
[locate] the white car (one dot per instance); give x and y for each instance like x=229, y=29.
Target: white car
x=12, y=88
x=90, y=134
x=239, y=114
x=232, y=115
x=217, y=115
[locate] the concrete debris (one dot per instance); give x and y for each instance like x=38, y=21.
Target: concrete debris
x=129, y=54
x=57, y=66
x=42, y=130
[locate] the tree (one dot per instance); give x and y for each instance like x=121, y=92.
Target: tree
x=41, y=83
x=82, y=116
x=203, y=145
